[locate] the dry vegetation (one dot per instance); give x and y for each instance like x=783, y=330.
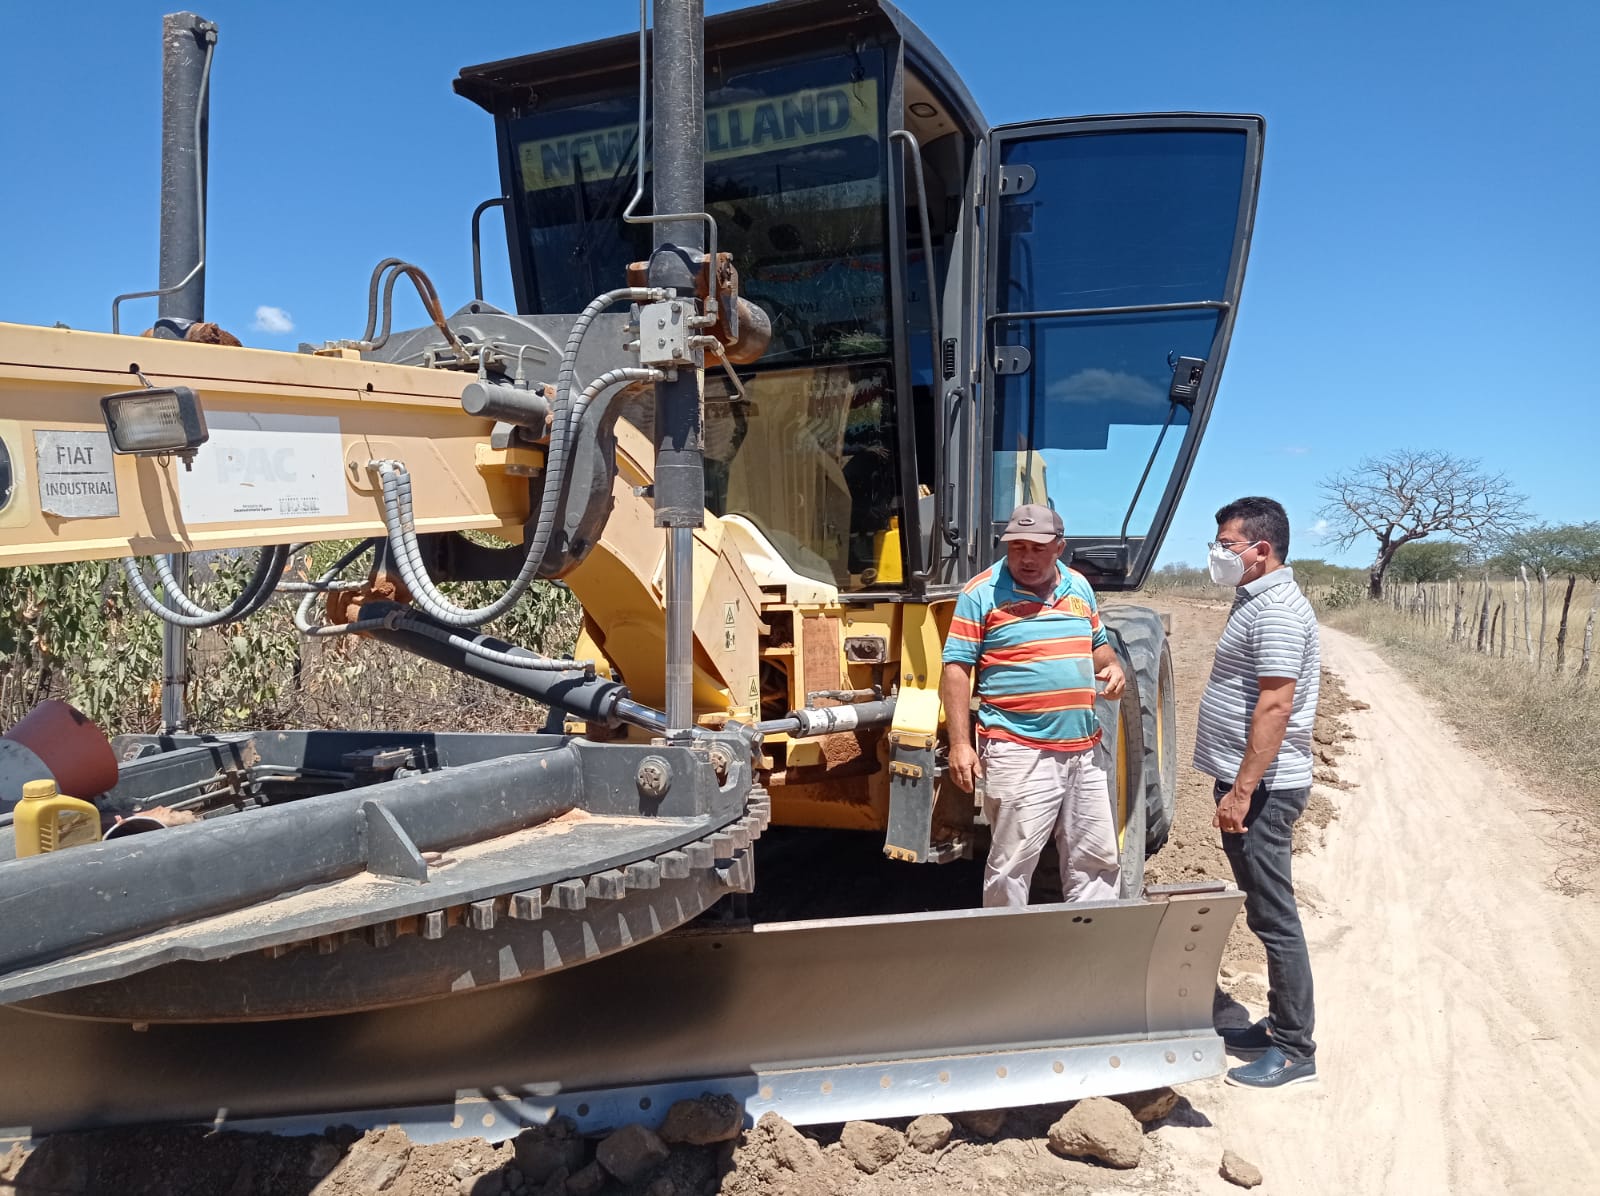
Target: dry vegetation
x=1532, y=720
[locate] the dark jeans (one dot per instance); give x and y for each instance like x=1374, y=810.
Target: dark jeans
x=1260, y=861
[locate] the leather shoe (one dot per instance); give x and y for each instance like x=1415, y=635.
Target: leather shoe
x=1273, y=1070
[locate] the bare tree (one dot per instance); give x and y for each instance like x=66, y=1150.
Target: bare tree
x=1410, y=494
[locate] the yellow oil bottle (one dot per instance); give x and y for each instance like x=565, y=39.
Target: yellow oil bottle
x=46, y=820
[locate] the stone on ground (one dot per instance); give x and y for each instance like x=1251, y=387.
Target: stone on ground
x=1151, y=1105
x=982, y=1123
x=711, y=1118
x=1237, y=1171
x=544, y=1150
x=929, y=1133
x=1099, y=1129
x=790, y=1147
x=870, y=1145
x=631, y=1152
x=586, y=1181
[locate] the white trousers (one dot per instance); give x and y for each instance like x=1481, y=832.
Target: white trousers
x=1032, y=794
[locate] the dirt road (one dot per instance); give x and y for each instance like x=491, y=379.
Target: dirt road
x=1458, y=994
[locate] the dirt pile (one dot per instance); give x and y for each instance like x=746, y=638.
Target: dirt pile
x=1056, y=1148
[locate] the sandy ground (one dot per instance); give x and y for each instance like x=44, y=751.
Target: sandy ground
x=1458, y=993
x=1458, y=1013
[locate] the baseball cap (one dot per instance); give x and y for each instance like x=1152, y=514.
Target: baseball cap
x=1033, y=521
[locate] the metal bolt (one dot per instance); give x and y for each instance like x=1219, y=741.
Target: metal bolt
x=654, y=777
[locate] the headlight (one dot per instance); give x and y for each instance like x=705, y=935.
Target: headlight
x=156, y=422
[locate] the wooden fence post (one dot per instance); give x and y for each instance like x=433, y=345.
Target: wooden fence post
x=1561, y=632
x=1455, y=630
x=1588, y=635
x=1483, y=613
x=1544, y=610
x=1527, y=615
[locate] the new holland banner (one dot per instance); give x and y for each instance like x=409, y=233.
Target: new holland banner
x=809, y=117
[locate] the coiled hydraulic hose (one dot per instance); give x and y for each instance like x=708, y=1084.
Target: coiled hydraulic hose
x=396, y=484
x=258, y=590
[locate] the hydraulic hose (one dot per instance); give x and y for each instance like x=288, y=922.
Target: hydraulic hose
x=396, y=483
x=258, y=590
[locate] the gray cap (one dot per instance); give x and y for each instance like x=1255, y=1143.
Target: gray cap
x=1033, y=521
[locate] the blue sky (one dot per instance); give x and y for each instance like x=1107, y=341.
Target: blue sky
x=1426, y=267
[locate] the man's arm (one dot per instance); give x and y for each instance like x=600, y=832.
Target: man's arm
x=1267, y=727
x=1108, y=668
x=955, y=692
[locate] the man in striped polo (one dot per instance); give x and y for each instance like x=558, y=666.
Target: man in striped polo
x=1031, y=628
x=1254, y=737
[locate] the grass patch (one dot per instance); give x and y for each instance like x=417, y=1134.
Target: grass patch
x=1539, y=725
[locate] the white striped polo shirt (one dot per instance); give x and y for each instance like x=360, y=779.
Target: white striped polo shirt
x=1271, y=632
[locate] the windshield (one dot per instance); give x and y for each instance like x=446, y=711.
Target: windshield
x=794, y=178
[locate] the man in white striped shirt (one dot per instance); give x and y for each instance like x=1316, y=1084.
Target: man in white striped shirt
x=1254, y=737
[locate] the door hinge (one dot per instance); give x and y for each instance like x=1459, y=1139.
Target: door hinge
x=1016, y=180
x=1012, y=359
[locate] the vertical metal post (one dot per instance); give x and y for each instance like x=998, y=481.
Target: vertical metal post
x=183, y=178
x=677, y=131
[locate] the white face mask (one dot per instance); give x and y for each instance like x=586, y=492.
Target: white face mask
x=1227, y=569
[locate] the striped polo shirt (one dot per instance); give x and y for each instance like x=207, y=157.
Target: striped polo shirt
x=1271, y=632
x=1034, y=658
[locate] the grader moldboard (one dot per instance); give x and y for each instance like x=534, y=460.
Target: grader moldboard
x=853, y=326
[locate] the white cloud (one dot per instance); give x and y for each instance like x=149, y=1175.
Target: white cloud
x=1101, y=385
x=1319, y=529
x=1295, y=450
x=273, y=319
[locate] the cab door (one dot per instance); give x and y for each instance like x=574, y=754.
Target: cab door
x=1114, y=252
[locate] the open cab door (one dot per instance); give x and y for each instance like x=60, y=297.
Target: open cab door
x=1114, y=251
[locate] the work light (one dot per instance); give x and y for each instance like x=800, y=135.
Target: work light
x=155, y=422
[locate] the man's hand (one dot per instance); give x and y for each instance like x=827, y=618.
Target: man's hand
x=1231, y=811
x=1115, y=681
x=964, y=765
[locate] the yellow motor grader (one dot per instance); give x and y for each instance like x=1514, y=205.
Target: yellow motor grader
x=763, y=425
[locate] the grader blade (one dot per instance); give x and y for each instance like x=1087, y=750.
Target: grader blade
x=819, y=1021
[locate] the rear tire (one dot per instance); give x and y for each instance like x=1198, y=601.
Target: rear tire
x=1145, y=638
x=1122, y=754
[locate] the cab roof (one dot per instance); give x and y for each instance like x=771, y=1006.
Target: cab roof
x=786, y=29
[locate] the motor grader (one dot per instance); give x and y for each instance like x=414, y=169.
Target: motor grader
x=763, y=426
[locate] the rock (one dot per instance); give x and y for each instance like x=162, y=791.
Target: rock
x=513, y=1178
x=1236, y=1171
x=1151, y=1105
x=662, y=1187
x=556, y=1185
x=711, y=1118
x=1323, y=733
x=1326, y=775
x=544, y=1150
x=1100, y=1129
x=631, y=1152
x=982, y=1123
x=490, y=1184
x=790, y=1148
x=373, y=1164
x=929, y=1133
x=586, y=1181
x=11, y=1162
x=870, y=1145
